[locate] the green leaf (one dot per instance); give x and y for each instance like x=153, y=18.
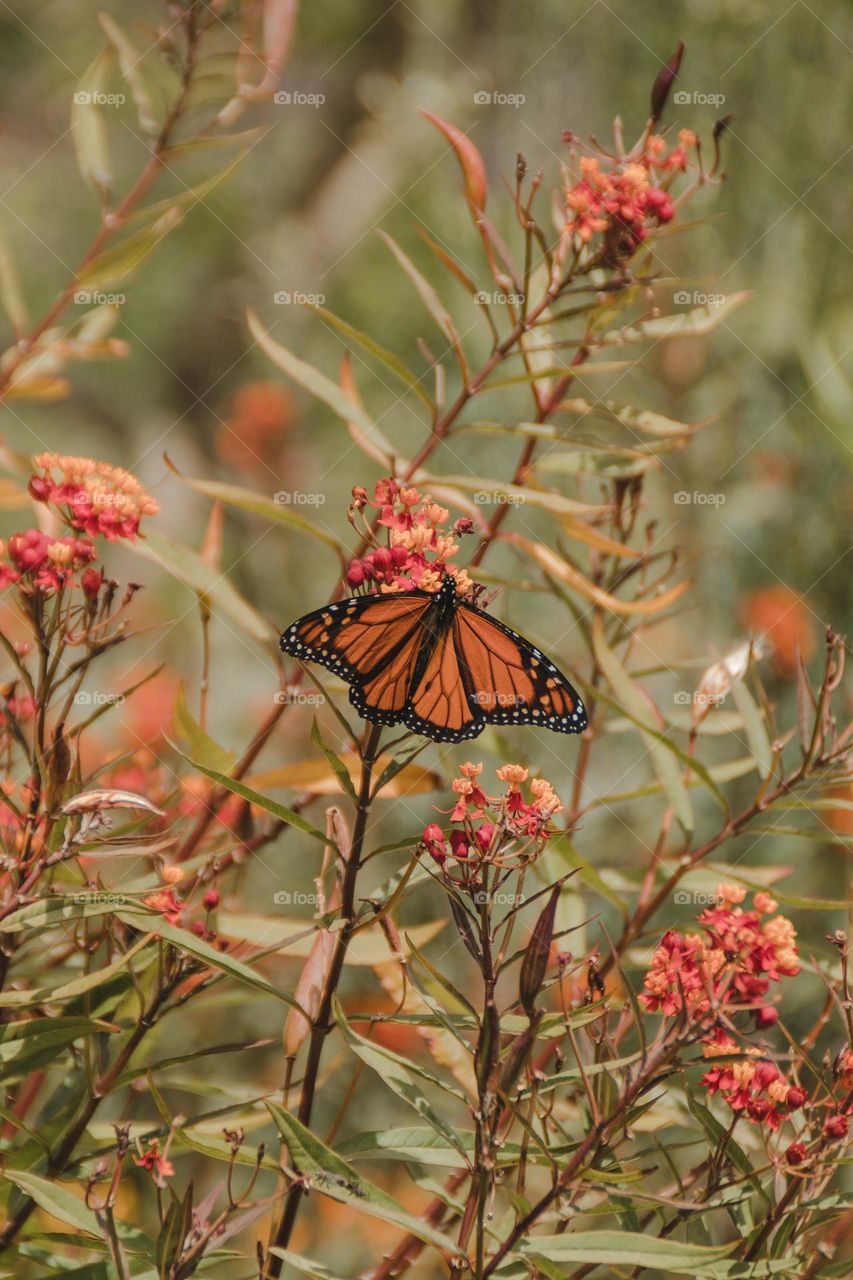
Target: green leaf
x=55, y=1200
x=201, y=747
x=634, y=420
x=247, y=500
x=511, y=494
x=428, y=295
x=696, y=323
x=588, y=874
x=305, y=1266
x=129, y=61
x=337, y=765
x=627, y=1249
x=21, y=1042
x=422, y=1145
x=11, y=296
x=262, y=802
x=667, y=767
x=116, y=265
x=203, y=951
x=188, y=567
x=391, y=362
x=88, y=126
x=398, y=1075
x=331, y=1176
x=318, y=385
x=753, y=723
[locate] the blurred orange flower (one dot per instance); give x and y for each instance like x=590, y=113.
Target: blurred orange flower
x=261, y=415
x=784, y=618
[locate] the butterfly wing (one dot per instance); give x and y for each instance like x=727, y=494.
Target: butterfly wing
x=508, y=680
x=372, y=642
x=440, y=706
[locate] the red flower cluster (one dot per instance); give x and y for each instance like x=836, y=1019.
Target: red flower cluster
x=726, y=971
x=504, y=830
x=420, y=543
x=622, y=202
x=41, y=563
x=95, y=497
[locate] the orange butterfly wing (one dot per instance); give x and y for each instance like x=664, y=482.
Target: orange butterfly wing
x=440, y=706
x=372, y=642
x=509, y=681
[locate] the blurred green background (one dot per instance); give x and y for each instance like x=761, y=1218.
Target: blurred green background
x=299, y=214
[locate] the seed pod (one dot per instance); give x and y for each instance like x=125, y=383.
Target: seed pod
x=309, y=991
x=664, y=82
x=536, y=957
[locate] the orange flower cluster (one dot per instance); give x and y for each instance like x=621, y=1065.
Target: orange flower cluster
x=711, y=978
x=622, y=202
x=39, y=563
x=420, y=543
x=96, y=497
x=506, y=830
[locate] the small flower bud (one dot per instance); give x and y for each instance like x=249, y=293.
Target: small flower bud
x=535, y=961
x=664, y=82
x=835, y=1127
x=211, y=899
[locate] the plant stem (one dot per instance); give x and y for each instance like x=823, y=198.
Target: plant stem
x=322, y=1023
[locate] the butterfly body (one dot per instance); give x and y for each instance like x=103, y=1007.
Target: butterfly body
x=435, y=663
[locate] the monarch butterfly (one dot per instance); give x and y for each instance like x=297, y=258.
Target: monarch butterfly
x=437, y=664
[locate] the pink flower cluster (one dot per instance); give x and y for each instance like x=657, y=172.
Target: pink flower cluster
x=95, y=497
x=419, y=543
x=623, y=201
x=38, y=562
x=506, y=830
x=711, y=978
